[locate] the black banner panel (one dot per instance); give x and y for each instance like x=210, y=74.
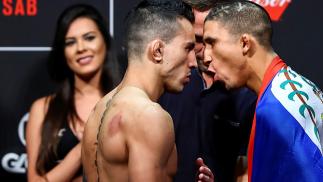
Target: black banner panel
x=26, y=33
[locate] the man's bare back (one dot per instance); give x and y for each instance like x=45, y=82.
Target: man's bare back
x=129, y=139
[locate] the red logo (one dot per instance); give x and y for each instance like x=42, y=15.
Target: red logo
x=19, y=7
x=275, y=8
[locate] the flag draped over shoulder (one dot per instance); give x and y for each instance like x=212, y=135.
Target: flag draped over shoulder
x=287, y=138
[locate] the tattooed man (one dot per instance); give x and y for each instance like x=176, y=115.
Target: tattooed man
x=129, y=137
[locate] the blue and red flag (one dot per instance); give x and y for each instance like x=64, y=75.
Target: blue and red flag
x=287, y=134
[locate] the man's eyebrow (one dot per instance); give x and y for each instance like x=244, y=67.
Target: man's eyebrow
x=190, y=45
x=209, y=40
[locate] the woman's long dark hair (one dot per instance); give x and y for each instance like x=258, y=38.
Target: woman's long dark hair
x=61, y=107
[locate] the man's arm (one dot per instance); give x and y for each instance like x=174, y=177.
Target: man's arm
x=150, y=140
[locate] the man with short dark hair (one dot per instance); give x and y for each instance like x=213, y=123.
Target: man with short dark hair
x=287, y=135
x=209, y=121
x=129, y=137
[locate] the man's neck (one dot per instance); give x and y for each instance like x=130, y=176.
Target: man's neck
x=259, y=64
x=145, y=79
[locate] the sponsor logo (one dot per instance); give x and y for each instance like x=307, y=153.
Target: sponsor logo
x=275, y=8
x=19, y=7
x=17, y=163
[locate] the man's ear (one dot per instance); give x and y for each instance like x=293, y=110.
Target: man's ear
x=245, y=42
x=156, y=50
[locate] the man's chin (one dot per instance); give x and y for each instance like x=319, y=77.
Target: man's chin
x=174, y=90
x=220, y=85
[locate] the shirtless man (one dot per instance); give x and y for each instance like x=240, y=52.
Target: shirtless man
x=129, y=137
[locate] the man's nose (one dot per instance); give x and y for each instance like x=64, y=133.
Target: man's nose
x=207, y=58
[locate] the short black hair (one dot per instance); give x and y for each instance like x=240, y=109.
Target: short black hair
x=203, y=5
x=241, y=16
x=154, y=18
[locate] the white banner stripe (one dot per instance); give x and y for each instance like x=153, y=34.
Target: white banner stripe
x=30, y=49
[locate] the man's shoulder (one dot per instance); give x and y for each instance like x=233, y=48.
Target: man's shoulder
x=132, y=98
x=98, y=111
x=154, y=110
x=295, y=92
x=146, y=113
x=150, y=123
x=149, y=113
x=104, y=101
x=136, y=107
